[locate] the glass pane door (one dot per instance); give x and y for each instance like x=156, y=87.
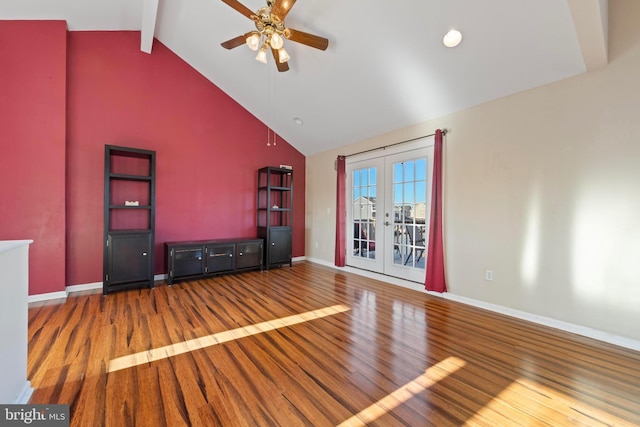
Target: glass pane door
x=408, y=178
x=363, y=185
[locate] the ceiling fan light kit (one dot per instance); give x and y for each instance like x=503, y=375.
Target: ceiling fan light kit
x=271, y=32
x=253, y=41
x=276, y=41
x=283, y=56
x=262, y=55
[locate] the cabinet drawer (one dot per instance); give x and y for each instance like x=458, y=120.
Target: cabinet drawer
x=220, y=258
x=187, y=262
x=185, y=255
x=249, y=255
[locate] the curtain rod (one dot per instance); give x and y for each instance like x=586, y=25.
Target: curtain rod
x=444, y=132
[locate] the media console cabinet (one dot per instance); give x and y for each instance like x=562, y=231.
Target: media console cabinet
x=202, y=258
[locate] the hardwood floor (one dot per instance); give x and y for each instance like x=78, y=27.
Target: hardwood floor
x=309, y=345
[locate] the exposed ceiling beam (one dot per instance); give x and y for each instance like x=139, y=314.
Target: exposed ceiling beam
x=149, y=13
x=590, y=18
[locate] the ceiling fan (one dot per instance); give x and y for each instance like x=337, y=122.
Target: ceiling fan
x=271, y=31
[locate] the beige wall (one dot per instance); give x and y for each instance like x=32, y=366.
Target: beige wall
x=542, y=187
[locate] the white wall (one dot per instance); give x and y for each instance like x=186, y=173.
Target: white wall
x=542, y=187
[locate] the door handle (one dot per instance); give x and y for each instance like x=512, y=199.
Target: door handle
x=386, y=223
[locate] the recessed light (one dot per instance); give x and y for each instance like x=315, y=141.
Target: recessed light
x=452, y=38
x=298, y=121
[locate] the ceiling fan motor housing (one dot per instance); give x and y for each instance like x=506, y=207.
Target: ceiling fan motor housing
x=269, y=23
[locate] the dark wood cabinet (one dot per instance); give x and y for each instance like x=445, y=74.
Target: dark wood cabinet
x=275, y=214
x=129, y=218
x=279, y=239
x=202, y=258
x=128, y=258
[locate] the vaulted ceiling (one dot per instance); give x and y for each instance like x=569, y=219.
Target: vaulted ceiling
x=385, y=68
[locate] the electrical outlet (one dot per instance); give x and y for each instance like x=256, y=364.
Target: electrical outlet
x=488, y=275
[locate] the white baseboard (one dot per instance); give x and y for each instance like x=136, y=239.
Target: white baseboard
x=541, y=320
x=546, y=321
x=77, y=288
x=83, y=287
x=25, y=394
x=47, y=296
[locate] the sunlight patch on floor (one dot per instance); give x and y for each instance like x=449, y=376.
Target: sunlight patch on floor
x=431, y=376
x=171, y=350
x=546, y=405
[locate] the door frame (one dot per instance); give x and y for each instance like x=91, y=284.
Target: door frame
x=377, y=157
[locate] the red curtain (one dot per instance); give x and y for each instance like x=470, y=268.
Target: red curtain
x=341, y=213
x=435, y=280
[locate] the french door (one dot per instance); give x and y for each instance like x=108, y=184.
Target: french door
x=388, y=207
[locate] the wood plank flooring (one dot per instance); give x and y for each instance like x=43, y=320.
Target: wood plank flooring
x=311, y=346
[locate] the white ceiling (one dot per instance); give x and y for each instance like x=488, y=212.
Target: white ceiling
x=385, y=68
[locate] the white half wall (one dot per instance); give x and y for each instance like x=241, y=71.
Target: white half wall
x=14, y=285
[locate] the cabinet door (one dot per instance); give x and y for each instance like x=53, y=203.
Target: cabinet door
x=279, y=245
x=186, y=261
x=220, y=257
x=249, y=254
x=129, y=258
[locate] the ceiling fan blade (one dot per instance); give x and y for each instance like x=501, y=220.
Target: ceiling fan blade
x=240, y=8
x=282, y=7
x=282, y=66
x=235, y=42
x=306, y=38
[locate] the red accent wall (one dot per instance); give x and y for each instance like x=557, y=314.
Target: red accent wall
x=33, y=66
x=208, y=148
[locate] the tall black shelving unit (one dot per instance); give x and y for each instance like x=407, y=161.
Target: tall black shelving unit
x=275, y=214
x=129, y=218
